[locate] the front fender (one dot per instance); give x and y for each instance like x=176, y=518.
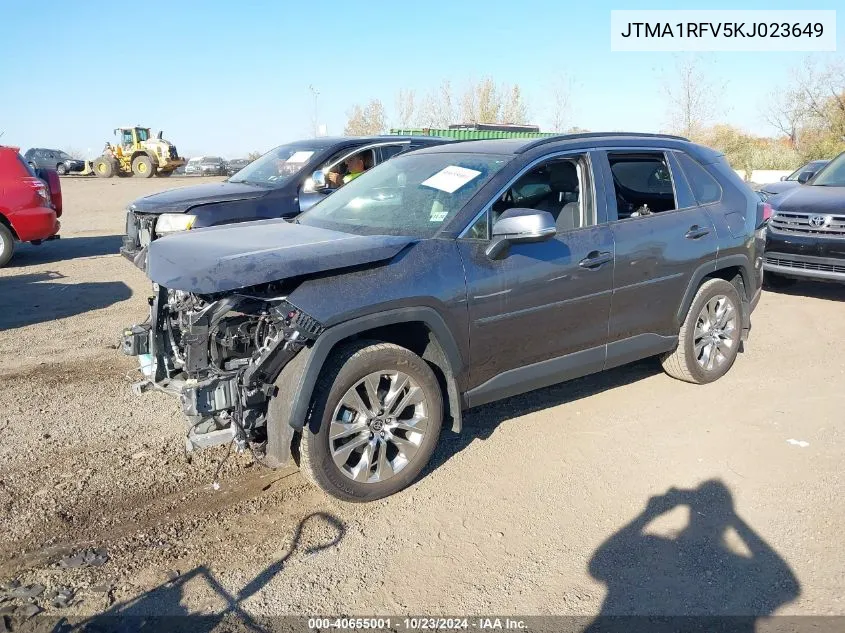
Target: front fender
x=306, y=366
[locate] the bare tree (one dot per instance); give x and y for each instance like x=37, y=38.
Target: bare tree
x=822, y=92
x=253, y=156
x=405, y=107
x=561, y=103
x=514, y=109
x=366, y=121
x=692, y=99
x=786, y=112
x=438, y=109
x=73, y=151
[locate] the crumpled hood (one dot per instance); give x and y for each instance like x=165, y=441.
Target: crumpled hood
x=183, y=198
x=811, y=199
x=223, y=258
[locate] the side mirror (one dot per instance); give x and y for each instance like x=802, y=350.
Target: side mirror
x=804, y=176
x=318, y=178
x=517, y=226
x=784, y=177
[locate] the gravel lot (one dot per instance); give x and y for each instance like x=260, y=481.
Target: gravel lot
x=541, y=506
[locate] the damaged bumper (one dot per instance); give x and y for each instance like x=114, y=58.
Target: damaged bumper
x=221, y=357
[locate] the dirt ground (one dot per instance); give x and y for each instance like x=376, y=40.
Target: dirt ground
x=549, y=503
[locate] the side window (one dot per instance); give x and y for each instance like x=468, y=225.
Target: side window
x=559, y=186
x=643, y=183
x=705, y=188
x=389, y=151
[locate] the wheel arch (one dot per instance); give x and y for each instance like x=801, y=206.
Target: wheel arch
x=419, y=329
x=5, y=222
x=735, y=269
x=144, y=152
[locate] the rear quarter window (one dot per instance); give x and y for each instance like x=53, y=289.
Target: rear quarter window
x=705, y=187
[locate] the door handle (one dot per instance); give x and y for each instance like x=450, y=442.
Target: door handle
x=695, y=232
x=595, y=259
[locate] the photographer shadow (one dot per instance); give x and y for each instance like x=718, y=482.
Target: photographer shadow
x=715, y=574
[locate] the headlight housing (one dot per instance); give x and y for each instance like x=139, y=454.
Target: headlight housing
x=174, y=222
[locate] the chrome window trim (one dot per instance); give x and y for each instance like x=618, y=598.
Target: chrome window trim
x=521, y=173
x=362, y=148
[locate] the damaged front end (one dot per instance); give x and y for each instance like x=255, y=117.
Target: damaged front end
x=221, y=354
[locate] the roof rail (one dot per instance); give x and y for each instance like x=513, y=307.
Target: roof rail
x=568, y=137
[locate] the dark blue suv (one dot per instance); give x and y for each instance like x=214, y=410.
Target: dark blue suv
x=444, y=279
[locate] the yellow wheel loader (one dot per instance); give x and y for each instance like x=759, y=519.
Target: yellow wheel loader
x=138, y=154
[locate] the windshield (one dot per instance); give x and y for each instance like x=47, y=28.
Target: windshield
x=832, y=174
x=277, y=166
x=410, y=195
x=813, y=165
x=64, y=155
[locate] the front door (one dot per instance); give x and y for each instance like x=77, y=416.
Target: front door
x=539, y=313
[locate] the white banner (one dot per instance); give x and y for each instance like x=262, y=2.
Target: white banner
x=723, y=30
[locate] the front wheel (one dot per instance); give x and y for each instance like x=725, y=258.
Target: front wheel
x=708, y=341
x=142, y=166
x=375, y=421
x=61, y=169
x=103, y=167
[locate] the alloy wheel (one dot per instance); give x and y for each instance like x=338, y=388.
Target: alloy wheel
x=378, y=426
x=715, y=329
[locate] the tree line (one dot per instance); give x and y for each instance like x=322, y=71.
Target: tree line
x=482, y=101
x=807, y=112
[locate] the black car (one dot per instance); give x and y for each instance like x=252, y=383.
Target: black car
x=806, y=235
x=235, y=165
x=212, y=166
x=280, y=184
x=62, y=162
x=797, y=177
x=444, y=279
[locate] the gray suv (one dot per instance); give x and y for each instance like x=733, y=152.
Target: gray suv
x=444, y=279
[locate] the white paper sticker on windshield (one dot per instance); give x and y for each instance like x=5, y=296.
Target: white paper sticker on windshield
x=300, y=157
x=451, y=178
x=438, y=216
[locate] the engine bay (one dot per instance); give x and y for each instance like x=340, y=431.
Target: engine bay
x=221, y=356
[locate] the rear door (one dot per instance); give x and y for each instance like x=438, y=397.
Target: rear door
x=662, y=240
x=539, y=314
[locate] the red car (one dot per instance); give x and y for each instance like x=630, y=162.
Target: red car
x=29, y=205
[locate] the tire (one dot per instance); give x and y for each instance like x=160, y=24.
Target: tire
x=103, y=167
x=143, y=167
x=777, y=282
x=7, y=245
x=345, y=370
x=713, y=359
x=164, y=174
x=61, y=169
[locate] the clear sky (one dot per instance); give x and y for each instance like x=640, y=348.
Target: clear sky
x=227, y=77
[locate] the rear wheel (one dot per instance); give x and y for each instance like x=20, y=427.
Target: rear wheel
x=61, y=169
x=776, y=282
x=103, y=167
x=376, y=419
x=143, y=167
x=708, y=341
x=7, y=245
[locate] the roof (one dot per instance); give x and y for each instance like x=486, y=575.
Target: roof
x=578, y=141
